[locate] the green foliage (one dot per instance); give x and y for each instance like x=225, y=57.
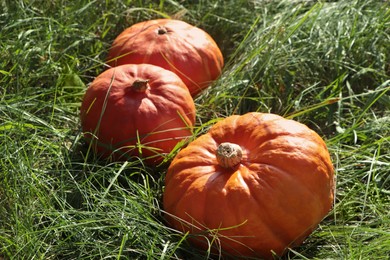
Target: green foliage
x=323, y=63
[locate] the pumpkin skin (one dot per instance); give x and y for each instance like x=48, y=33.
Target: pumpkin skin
x=135, y=104
x=270, y=199
x=171, y=44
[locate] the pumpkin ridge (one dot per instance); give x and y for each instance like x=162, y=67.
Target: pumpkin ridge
x=193, y=188
x=180, y=176
x=319, y=159
x=124, y=40
x=229, y=231
x=237, y=214
x=194, y=149
x=184, y=47
x=210, y=190
x=261, y=206
x=277, y=238
x=280, y=228
x=166, y=97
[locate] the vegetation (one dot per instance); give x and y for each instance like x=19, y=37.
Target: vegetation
x=324, y=63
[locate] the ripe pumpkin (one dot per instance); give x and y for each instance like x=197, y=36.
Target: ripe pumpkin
x=257, y=182
x=137, y=110
x=171, y=44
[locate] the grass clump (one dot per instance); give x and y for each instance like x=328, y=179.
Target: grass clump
x=323, y=63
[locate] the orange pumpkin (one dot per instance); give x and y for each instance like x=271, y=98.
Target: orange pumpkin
x=137, y=110
x=258, y=183
x=171, y=44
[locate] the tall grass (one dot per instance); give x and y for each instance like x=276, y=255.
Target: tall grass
x=325, y=64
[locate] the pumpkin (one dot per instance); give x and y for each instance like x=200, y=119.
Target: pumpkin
x=137, y=110
x=257, y=183
x=171, y=44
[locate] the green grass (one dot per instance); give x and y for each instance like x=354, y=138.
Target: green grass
x=325, y=64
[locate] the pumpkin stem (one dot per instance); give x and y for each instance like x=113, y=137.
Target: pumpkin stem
x=140, y=85
x=228, y=155
x=162, y=31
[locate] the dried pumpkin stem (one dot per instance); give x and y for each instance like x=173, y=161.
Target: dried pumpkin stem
x=162, y=31
x=140, y=85
x=228, y=155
